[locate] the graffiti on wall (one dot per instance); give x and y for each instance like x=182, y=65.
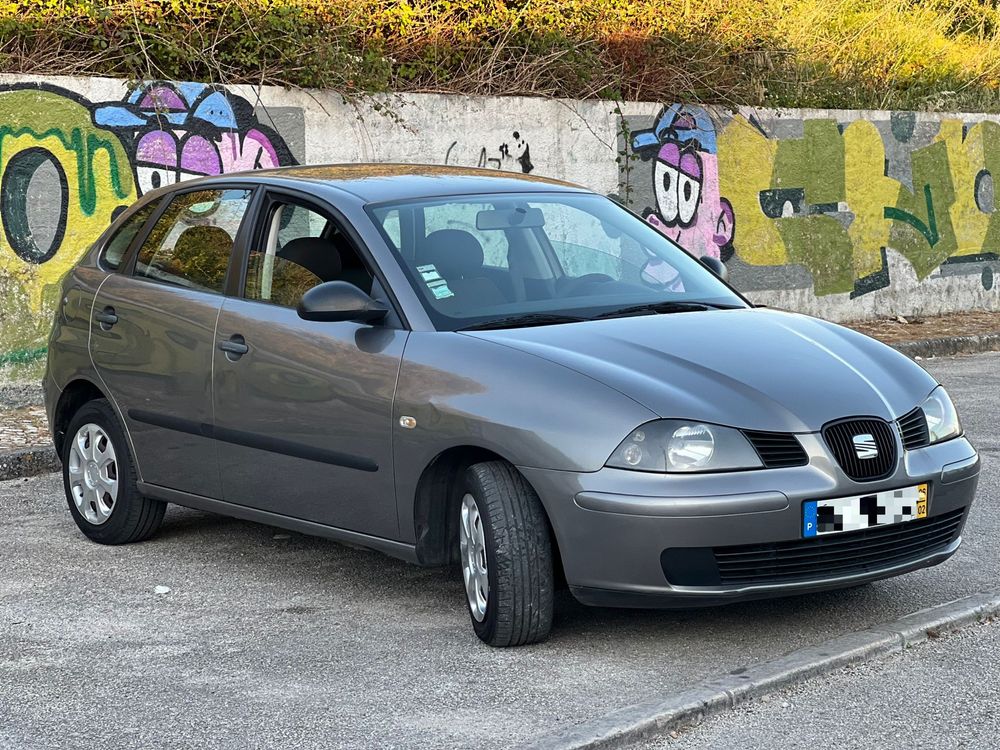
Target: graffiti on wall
x=69, y=165
x=830, y=196
x=511, y=155
x=185, y=130
x=685, y=171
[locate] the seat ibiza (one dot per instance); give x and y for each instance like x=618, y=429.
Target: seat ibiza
x=508, y=373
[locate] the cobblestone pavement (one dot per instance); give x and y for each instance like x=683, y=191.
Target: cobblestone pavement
x=23, y=427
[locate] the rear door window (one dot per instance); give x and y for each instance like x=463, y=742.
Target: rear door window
x=192, y=241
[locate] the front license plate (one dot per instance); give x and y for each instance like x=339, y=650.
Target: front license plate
x=822, y=517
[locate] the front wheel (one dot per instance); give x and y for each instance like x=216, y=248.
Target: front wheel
x=100, y=479
x=506, y=556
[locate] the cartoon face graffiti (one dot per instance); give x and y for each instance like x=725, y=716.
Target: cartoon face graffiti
x=689, y=208
x=185, y=130
x=677, y=179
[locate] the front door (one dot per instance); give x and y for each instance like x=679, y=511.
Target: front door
x=303, y=409
x=153, y=335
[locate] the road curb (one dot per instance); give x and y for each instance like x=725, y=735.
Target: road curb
x=28, y=462
x=948, y=346
x=637, y=722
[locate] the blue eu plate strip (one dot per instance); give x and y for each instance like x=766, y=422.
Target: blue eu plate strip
x=809, y=518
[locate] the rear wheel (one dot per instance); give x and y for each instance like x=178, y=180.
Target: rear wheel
x=100, y=480
x=506, y=556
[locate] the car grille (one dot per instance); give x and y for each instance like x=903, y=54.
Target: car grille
x=837, y=554
x=913, y=429
x=850, y=553
x=777, y=450
x=840, y=436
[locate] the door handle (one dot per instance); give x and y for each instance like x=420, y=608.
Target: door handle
x=106, y=318
x=234, y=347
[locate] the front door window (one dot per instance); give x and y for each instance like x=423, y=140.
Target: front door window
x=302, y=248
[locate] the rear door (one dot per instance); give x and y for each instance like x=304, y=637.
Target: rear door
x=303, y=409
x=152, y=336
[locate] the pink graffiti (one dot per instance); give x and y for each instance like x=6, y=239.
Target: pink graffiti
x=689, y=209
x=185, y=130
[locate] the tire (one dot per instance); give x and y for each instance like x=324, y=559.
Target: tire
x=518, y=554
x=126, y=516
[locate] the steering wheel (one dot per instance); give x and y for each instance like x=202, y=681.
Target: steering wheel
x=573, y=285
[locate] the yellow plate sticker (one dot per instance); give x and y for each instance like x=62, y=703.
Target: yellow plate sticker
x=922, y=501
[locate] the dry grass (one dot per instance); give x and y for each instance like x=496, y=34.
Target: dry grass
x=929, y=54
x=895, y=330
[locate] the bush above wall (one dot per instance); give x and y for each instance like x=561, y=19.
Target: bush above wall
x=887, y=54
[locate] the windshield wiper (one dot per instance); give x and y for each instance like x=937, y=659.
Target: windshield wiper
x=672, y=306
x=522, y=321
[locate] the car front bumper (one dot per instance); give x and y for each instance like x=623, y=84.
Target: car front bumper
x=616, y=529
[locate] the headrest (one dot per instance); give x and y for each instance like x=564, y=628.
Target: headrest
x=315, y=254
x=454, y=252
x=201, y=254
x=200, y=238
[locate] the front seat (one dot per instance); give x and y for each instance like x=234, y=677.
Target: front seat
x=315, y=254
x=458, y=258
x=299, y=266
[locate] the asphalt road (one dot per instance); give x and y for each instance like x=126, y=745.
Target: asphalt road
x=940, y=695
x=269, y=639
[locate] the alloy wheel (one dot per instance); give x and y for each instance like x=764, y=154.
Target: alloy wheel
x=93, y=473
x=472, y=543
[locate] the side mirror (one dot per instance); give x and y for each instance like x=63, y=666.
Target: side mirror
x=338, y=300
x=716, y=266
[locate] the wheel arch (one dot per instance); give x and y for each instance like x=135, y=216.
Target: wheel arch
x=435, y=521
x=76, y=393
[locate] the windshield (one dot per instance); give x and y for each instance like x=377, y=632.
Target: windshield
x=546, y=257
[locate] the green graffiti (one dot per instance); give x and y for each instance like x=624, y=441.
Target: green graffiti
x=85, y=147
x=926, y=236
x=928, y=230
x=814, y=163
x=77, y=136
x=821, y=244
x=63, y=178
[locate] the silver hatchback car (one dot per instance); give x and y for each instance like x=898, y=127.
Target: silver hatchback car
x=518, y=375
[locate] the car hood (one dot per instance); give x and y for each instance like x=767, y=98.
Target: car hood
x=751, y=368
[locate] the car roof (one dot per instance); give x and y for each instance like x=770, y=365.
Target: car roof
x=375, y=183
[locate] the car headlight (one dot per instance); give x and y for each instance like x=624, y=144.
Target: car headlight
x=671, y=445
x=942, y=419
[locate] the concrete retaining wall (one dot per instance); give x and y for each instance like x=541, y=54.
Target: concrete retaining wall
x=835, y=213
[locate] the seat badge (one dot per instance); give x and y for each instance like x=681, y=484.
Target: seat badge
x=864, y=446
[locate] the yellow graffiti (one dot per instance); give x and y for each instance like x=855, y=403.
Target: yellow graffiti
x=966, y=157
x=746, y=161
x=97, y=173
x=867, y=190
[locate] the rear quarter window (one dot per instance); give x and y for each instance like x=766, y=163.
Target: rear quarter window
x=116, y=247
